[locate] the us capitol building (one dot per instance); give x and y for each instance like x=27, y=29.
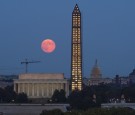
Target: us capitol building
x=40, y=85
x=96, y=76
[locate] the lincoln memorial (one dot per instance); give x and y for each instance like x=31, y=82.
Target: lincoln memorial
x=40, y=85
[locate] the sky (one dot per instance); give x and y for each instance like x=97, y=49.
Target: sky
x=108, y=35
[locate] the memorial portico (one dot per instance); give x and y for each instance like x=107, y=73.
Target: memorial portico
x=40, y=85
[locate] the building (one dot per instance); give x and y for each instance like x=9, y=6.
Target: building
x=40, y=85
x=85, y=81
x=96, y=76
x=120, y=80
x=100, y=81
x=76, y=59
x=132, y=77
x=4, y=84
x=96, y=72
x=7, y=80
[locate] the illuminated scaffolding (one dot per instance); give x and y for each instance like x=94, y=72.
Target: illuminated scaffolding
x=76, y=59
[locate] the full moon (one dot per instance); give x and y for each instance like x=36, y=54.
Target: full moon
x=48, y=45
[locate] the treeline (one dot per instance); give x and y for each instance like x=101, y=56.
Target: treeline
x=93, y=96
x=7, y=95
x=94, y=111
x=89, y=97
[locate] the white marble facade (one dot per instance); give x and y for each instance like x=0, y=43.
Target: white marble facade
x=40, y=85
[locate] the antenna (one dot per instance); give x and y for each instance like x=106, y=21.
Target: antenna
x=26, y=62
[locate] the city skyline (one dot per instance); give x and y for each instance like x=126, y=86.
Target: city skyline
x=108, y=35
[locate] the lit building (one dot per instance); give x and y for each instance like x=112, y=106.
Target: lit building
x=96, y=76
x=40, y=85
x=96, y=72
x=76, y=61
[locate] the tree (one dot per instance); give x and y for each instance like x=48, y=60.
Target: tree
x=21, y=98
x=1, y=95
x=62, y=96
x=7, y=94
x=81, y=100
x=55, y=96
x=10, y=95
x=59, y=96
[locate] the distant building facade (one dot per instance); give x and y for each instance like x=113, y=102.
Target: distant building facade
x=76, y=53
x=96, y=76
x=40, y=85
x=119, y=80
x=96, y=72
x=132, y=76
x=7, y=80
x=4, y=84
x=100, y=81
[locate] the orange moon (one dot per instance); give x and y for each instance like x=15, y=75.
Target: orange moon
x=48, y=45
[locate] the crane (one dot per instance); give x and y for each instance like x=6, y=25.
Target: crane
x=26, y=62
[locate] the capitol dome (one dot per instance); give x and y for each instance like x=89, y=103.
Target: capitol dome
x=96, y=73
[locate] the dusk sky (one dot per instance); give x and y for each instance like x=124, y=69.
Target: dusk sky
x=108, y=35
